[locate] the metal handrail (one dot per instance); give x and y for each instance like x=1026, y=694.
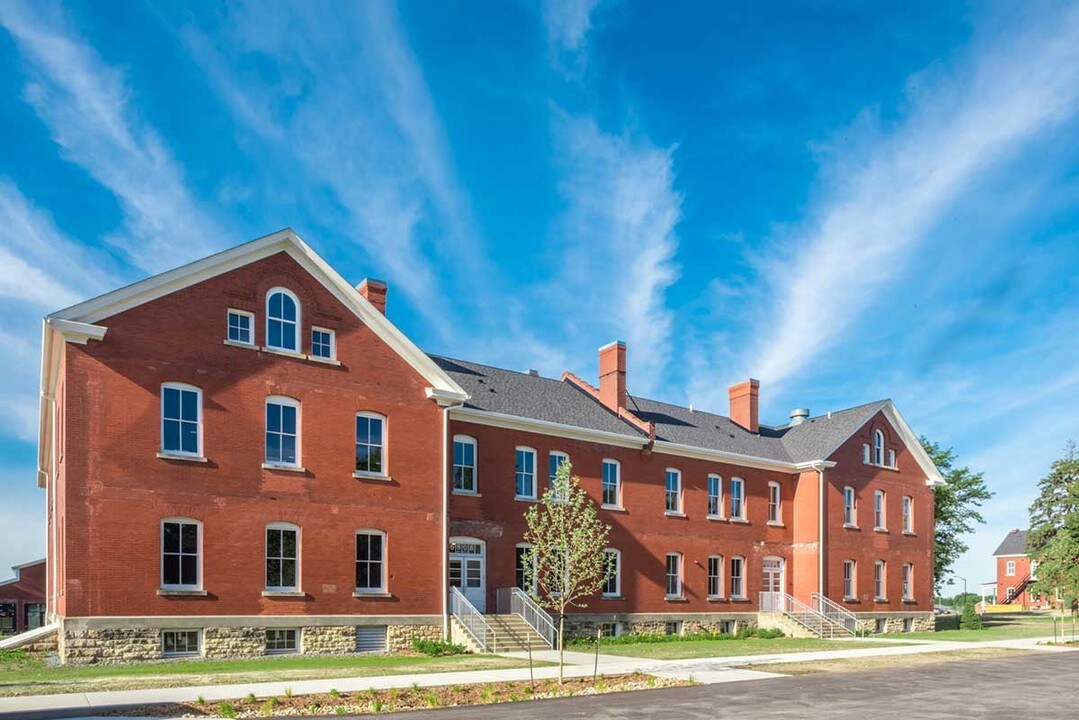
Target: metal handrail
x=472, y=621
x=517, y=602
x=835, y=612
x=798, y=611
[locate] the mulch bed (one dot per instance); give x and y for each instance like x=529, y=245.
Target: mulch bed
x=397, y=699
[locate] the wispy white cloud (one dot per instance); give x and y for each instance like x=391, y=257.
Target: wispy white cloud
x=618, y=240
x=567, y=23
x=21, y=519
x=882, y=195
x=88, y=108
x=347, y=102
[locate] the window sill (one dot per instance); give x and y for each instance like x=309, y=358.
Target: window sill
x=283, y=594
x=522, y=498
x=324, y=361
x=908, y=533
x=286, y=353
x=612, y=597
x=284, y=468
x=674, y=513
x=773, y=523
x=850, y=526
x=740, y=599
x=238, y=344
x=881, y=530
x=613, y=508
x=178, y=592
x=850, y=599
x=465, y=493
x=374, y=594
x=378, y=477
x=675, y=599
x=716, y=598
x=182, y=458
x=716, y=518
x=910, y=601
x=743, y=521
x=880, y=599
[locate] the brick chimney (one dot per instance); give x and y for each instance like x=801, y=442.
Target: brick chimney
x=375, y=292
x=744, y=404
x=612, y=375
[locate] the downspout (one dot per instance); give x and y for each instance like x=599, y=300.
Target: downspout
x=820, y=530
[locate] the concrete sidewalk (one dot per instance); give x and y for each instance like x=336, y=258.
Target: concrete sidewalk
x=703, y=670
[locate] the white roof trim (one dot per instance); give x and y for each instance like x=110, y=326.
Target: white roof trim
x=82, y=318
x=690, y=451
x=544, y=427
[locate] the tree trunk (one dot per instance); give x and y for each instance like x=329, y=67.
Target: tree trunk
x=561, y=644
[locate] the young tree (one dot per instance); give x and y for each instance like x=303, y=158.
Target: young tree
x=956, y=507
x=565, y=563
x=1054, y=528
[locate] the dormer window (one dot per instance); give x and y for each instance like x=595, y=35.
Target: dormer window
x=282, y=320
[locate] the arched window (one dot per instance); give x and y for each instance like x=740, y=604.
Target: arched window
x=525, y=473
x=674, y=575
x=673, y=494
x=282, y=557
x=282, y=320
x=181, y=554
x=850, y=508
x=878, y=447
x=715, y=576
x=612, y=483
x=775, y=500
x=464, y=464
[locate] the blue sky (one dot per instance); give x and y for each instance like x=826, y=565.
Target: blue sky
x=847, y=202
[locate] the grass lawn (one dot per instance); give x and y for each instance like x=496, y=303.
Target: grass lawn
x=677, y=650
x=32, y=677
x=997, y=627
x=886, y=662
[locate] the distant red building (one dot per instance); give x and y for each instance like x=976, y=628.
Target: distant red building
x=245, y=456
x=22, y=599
x=1015, y=572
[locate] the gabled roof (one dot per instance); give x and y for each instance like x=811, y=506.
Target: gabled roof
x=512, y=394
x=1015, y=543
x=78, y=323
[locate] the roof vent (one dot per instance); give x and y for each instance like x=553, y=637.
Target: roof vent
x=533, y=373
x=799, y=415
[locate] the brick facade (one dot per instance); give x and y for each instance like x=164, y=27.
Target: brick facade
x=108, y=491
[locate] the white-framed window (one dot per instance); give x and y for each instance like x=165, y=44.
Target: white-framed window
x=464, y=464
x=241, y=327
x=522, y=555
x=371, y=444
x=879, y=511
x=181, y=419
x=878, y=447
x=282, y=430
x=612, y=573
x=282, y=320
x=850, y=508
x=370, y=561
x=908, y=514
x=908, y=581
x=867, y=454
x=715, y=576
x=775, y=506
x=612, y=483
x=180, y=643
x=526, y=473
x=282, y=641
x=282, y=557
x=738, y=499
x=891, y=458
x=879, y=587
x=181, y=554
x=1009, y=568
x=673, y=494
x=555, y=460
x=674, y=575
x=849, y=579
x=738, y=587
x=323, y=343
x=715, y=496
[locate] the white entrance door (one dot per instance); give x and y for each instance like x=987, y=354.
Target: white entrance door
x=468, y=570
x=772, y=585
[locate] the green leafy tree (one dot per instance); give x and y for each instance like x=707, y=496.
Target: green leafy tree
x=565, y=564
x=956, y=508
x=1054, y=528
x=970, y=620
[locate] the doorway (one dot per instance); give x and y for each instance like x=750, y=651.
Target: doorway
x=773, y=590
x=468, y=570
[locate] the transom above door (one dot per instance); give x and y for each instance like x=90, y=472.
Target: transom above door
x=468, y=569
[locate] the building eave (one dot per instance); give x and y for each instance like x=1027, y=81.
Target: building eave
x=544, y=427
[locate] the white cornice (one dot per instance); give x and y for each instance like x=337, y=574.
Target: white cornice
x=79, y=333
x=689, y=451
x=446, y=398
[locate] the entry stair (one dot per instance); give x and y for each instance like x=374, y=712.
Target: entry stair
x=824, y=618
x=520, y=625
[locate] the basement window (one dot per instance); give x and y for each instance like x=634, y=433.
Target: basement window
x=180, y=643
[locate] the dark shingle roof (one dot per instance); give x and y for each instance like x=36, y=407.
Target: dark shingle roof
x=538, y=398
x=530, y=396
x=1015, y=543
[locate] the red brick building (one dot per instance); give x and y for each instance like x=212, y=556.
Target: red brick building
x=243, y=455
x=1015, y=572
x=22, y=599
